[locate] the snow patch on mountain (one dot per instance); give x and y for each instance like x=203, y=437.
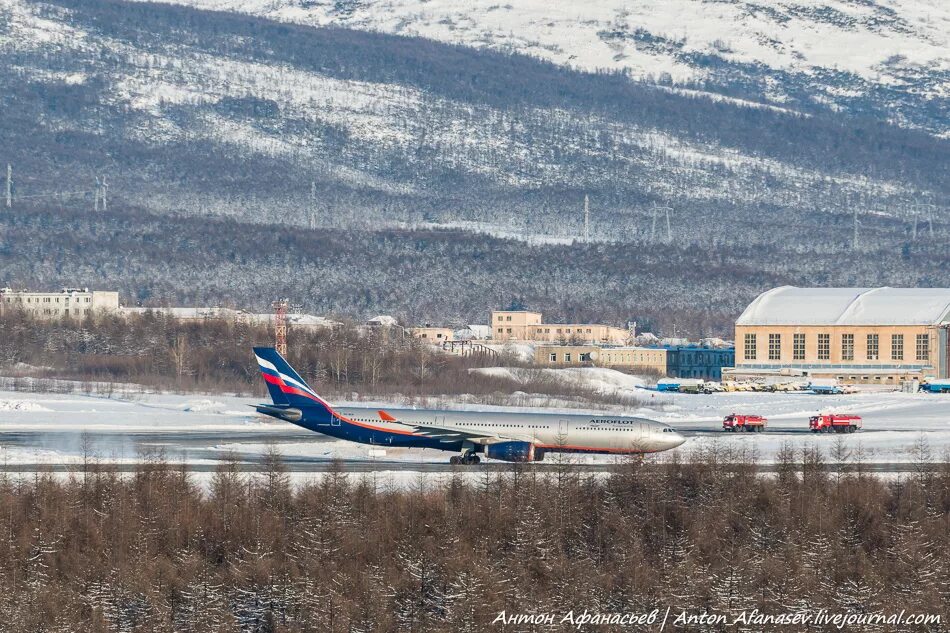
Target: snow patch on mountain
x=899, y=44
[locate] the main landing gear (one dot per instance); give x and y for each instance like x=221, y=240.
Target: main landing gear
x=467, y=459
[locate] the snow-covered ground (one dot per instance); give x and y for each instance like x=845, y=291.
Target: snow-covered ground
x=861, y=47
x=600, y=34
x=597, y=378
x=59, y=429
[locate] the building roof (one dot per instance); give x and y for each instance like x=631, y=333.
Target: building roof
x=788, y=305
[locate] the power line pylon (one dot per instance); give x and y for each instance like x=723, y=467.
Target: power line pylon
x=280, y=325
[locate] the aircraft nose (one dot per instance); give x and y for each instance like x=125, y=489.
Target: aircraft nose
x=676, y=439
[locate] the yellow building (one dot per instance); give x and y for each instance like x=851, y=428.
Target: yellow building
x=523, y=325
x=433, y=334
x=591, y=355
x=854, y=335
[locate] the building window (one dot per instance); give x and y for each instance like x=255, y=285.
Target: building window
x=585, y=357
x=500, y=318
x=824, y=346
x=775, y=346
x=923, y=347
x=567, y=357
x=553, y=358
x=897, y=347
x=547, y=330
x=750, y=351
x=509, y=331
x=508, y=318
x=798, y=347
x=539, y=330
x=588, y=330
x=847, y=347
x=874, y=346
x=500, y=330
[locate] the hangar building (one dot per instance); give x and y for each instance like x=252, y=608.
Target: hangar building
x=854, y=335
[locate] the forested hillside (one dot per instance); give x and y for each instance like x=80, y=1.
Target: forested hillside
x=426, y=275
x=190, y=114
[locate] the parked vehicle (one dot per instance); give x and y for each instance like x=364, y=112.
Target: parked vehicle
x=736, y=422
x=834, y=423
x=936, y=386
x=692, y=385
x=825, y=386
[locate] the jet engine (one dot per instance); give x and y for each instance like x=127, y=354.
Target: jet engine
x=514, y=452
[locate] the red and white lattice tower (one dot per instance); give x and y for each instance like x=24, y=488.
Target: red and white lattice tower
x=280, y=326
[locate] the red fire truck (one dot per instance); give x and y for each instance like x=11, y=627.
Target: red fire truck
x=834, y=423
x=736, y=422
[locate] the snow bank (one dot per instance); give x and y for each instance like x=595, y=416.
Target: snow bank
x=21, y=405
x=205, y=406
x=597, y=378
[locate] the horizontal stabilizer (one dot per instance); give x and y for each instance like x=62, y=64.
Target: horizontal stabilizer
x=284, y=413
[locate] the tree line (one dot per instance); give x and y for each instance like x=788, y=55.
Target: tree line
x=162, y=550
x=107, y=352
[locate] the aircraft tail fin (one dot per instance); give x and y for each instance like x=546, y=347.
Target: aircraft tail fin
x=286, y=386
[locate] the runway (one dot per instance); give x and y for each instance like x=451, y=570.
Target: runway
x=59, y=432
x=198, y=450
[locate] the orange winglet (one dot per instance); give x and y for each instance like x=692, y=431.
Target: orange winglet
x=386, y=417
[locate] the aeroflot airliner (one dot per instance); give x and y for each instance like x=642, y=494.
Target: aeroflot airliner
x=511, y=437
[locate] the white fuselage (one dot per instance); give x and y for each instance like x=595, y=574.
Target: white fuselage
x=550, y=431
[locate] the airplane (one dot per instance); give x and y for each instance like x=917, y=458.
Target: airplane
x=510, y=437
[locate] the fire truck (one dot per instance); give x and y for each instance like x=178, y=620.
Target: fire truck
x=834, y=423
x=736, y=422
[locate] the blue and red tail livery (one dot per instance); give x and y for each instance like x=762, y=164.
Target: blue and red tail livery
x=285, y=385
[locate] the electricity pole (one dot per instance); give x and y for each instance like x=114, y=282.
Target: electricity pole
x=313, y=205
x=9, y=186
x=854, y=239
x=586, y=218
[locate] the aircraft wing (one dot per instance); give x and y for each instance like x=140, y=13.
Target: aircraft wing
x=456, y=435
x=446, y=434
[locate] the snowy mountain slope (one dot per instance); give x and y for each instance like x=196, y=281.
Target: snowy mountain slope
x=888, y=59
x=219, y=113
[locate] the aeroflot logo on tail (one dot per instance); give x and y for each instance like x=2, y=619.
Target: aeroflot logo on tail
x=285, y=382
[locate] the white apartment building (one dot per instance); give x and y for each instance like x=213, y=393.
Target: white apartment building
x=68, y=302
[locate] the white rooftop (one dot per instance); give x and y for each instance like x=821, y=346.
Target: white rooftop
x=789, y=305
